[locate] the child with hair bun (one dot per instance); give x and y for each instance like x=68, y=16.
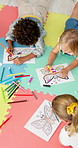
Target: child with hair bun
x=66, y=108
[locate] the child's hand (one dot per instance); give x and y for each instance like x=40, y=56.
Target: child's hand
x=47, y=68
x=19, y=61
x=64, y=72
x=10, y=50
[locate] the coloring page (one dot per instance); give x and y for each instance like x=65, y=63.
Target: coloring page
x=52, y=78
x=44, y=122
x=18, y=52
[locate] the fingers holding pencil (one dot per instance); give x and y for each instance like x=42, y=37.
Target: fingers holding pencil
x=10, y=50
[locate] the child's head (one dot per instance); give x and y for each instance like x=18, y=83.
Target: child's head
x=26, y=32
x=70, y=39
x=63, y=107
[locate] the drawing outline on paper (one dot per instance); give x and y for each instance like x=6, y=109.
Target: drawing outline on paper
x=18, y=52
x=43, y=122
x=46, y=121
x=53, y=78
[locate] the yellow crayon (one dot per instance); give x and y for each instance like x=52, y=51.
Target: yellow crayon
x=49, y=68
x=16, y=74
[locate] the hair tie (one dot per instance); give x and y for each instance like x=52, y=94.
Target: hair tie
x=70, y=108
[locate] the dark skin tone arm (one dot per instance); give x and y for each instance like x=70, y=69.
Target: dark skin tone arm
x=21, y=60
x=10, y=47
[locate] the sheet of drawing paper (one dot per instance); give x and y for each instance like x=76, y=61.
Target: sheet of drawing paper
x=20, y=52
x=49, y=78
x=43, y=123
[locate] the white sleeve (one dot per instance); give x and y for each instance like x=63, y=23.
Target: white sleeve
x=64, y=138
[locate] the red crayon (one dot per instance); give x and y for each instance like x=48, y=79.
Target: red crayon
x=21, y=76
x=23, y=94
x=5, y=121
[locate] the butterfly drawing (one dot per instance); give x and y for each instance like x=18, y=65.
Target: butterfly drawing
x=49, y=77
x=45, y=121
x=54, y=76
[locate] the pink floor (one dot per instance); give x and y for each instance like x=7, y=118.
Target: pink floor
x=14, y=135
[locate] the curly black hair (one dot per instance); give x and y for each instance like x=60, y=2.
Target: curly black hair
x=26, y=32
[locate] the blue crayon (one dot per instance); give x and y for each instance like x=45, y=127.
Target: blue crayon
x=6, y=83
x=10, y=70
x=6, y=80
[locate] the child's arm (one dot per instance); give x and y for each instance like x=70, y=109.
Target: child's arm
x=64, y=72
x=52, y=56
x=21, y=60
x=10, y=47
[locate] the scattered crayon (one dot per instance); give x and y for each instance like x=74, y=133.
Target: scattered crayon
x=5, y=121
x=30, y=80
x=34, y=94
x=23, y=94
x=3, y=94
x=18, y=101
x=10, y=70
x=16, y=74
x=2, y=73
x=22, y=76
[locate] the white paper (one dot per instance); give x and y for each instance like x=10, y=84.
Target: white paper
x=43, y=123
x=44, y=76
x=17, y=50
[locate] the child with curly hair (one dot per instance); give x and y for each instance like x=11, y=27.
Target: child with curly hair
x=28, y=28
x=66, y=108
x=68, y=43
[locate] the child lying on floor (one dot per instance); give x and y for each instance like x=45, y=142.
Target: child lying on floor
x=68, y=43
x=28, y=28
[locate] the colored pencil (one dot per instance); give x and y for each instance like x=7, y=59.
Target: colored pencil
x=2, y=73
x=23, y=94
x=20, y=87
x=14, y=79
x=18, y=101
x=9, y=52
x=55, y=115
x=3, y=46
x=6, y=79
x=6, y=49
x=49, y=67
x=10, y=70
x=3, y=94
x=34, y=94
x=5, y=121
x=9, y=86
x=16, y=74
x=22, y=76
x=13, y=92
